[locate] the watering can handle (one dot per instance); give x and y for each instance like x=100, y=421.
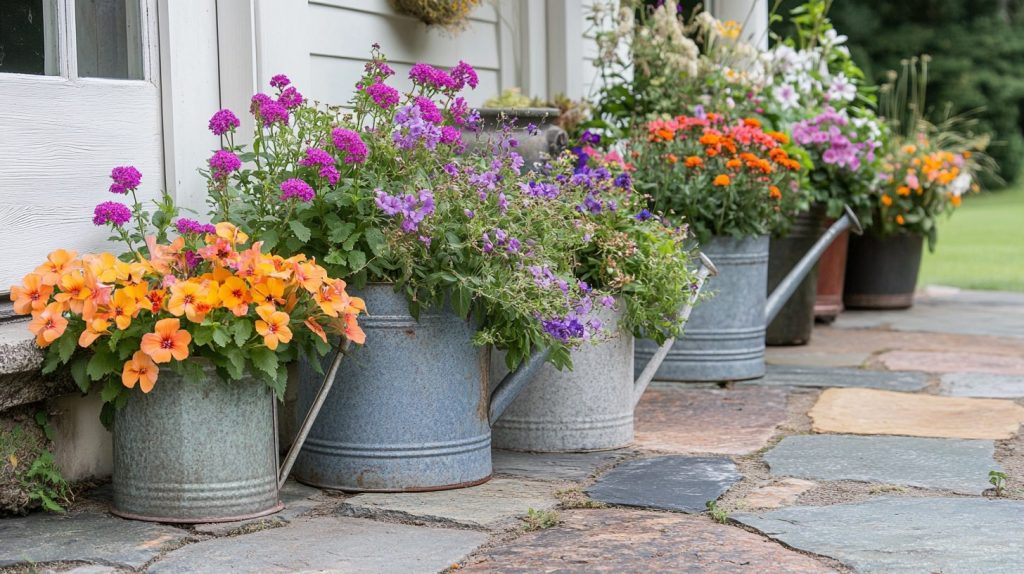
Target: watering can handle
x=314, y=410
x=514, y=383
x=707, y=269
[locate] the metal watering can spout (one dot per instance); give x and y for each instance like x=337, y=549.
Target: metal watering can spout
x=514, y=383
x=707, y=269
x=788, y=286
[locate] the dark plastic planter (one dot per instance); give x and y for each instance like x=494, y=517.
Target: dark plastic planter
x=795, y=321
x=881, y=272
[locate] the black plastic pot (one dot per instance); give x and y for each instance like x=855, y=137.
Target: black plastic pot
x=795, y=321
x=881, y=272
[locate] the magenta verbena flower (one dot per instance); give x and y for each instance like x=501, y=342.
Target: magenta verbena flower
x=223, y=121
x=126, y=178
x=280, y=81
x=429, y=76
x=111, y=212
x=349, y=145
x=298, y=189
x=186, y=226
x=291, y=98
x=316, y=157
x=462, y=75
x=223, y=163
x=428, y=110
x=383, y=95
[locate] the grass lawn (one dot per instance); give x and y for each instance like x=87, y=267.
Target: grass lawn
x=982, y=245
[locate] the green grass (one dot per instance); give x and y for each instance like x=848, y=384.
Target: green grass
x=982, y=245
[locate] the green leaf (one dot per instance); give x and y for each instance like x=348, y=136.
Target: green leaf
x=461, y=299
x=202, y=335
x=234, y=363
x=102, y=363
x=356, y=259
x=66, y=348
x=301, y=231
x=78, y=373
x=375, y=239
x=191, y=372
x=265, y=360
x=241, y=330
x=221, y=336
x=339, y=233
x=111, y=389
x=269, y=239
x=51, y=362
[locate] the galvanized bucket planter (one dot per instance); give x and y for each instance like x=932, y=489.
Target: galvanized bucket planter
x=590, y=407
x=795, y=320
x=188, y=453
x=410, y=411
x=548, y=142
x=724, y=339
x=881, y=272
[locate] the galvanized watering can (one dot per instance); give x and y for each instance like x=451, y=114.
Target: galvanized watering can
x=413, y=408
x=590, y=407
x=725, y=337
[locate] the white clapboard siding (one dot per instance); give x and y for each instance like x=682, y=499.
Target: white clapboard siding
x=58, y=142
x=339, y=34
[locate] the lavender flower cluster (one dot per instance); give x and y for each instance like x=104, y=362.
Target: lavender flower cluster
x=502, y=239
x=413, y=209
x=835, y=134
x=575, y=323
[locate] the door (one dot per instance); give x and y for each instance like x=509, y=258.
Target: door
x=78, y=96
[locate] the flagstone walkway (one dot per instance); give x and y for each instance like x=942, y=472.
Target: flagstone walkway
x=868, y=450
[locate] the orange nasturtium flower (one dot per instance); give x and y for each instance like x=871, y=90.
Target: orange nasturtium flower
x=234, y=295
x=49, y=324
x=269, y=294
x=721, y=180
x=32, y=295
x=274, y=327
x=140, y=369
x=167, y=341
x=57, y=263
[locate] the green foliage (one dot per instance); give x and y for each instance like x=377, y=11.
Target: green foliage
x=998, y=480
x=716, y=513
x=540, y=519
x=978, y=59
x=34, y=470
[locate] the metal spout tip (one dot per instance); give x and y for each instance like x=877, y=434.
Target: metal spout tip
x=706, y=262
x=855, y=225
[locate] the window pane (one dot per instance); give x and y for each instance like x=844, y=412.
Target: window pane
x=109, y=39
x=28, y=37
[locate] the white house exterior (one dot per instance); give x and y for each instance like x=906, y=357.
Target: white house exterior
x=102, y=83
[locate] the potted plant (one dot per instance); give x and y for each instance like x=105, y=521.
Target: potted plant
x=926, y=171
x=812, y=89
x=188, y=341
x=438, y=241
x=730, y=182
x=641, y=263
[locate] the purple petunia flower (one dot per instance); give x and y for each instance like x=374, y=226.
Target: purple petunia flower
x=224, y=163
x=223, y=121
x=111, y=212
x=349, y=145
x=590, y=137
x=383, y=95
x=280, y=81
x=126, y=178
x=296, y=188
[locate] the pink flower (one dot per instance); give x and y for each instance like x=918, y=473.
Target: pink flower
x=349, y=145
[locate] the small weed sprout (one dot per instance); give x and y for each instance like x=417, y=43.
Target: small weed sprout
x=540, y=519
x=998, y=480
x=717, y=514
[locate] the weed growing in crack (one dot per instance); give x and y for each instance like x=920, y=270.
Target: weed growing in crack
x=540, y=519
x=574, y=497
x=998, y=480
x=717, y=514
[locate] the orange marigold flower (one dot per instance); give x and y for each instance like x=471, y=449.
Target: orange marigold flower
x=902, y=190
x=671, y=158
x=49, y=324
x=955, y=200
x=779, y=137
x=899, y=220
x=694, y=161
x=886, y=200
x=778, y=154
x=774, y=193
x=733, y=164
x=752, y=122
x=32, y=295
x=167, y=341
x=709, y=139
x=140, y=369
x=721, y=180
x=273, y=327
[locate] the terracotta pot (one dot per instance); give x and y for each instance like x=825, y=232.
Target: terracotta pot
x=831, y=275
x=881, y=272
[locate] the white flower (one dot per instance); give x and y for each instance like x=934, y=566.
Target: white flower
x=842, y=89
x=787, y=96
x=833, y=38
x=960, y=185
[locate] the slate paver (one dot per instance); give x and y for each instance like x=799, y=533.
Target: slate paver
x=782, y=492
x=298, y=499
x=326, y=544
x=674, y=419
x=681, y=483
x=488, y=505
x=905, y=535
x=983, y=385
x=85, y=537
x=817, y=377
x=810, y=357
x=953, y=464
x=571, y=466
x=620, y=540
x=874, y=412
x=952, y=362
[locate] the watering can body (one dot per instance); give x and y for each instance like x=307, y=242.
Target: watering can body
x=725, y=337
x=410, y=411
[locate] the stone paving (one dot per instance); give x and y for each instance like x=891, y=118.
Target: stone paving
x=868, y=450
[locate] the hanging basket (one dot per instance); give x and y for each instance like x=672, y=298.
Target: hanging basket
x=451, y=15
